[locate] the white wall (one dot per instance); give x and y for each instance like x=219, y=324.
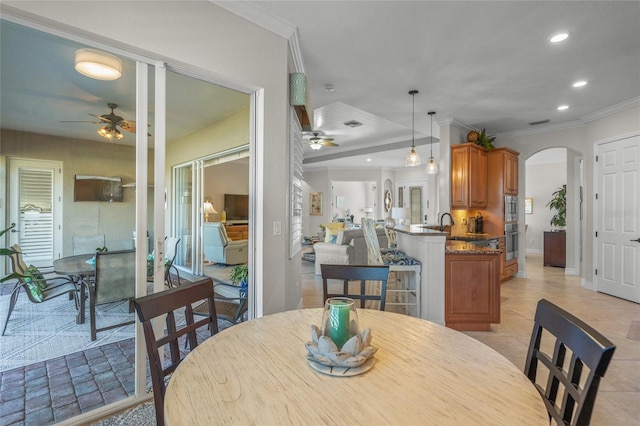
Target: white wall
x=542, y=181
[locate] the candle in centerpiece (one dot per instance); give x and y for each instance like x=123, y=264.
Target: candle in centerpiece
x=338, y=319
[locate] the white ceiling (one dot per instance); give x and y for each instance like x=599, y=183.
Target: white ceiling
x=483, y=64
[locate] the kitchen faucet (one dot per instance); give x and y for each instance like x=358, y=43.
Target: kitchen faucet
x=442, y=217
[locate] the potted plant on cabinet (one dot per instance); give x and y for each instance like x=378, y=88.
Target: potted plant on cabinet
x=558, y=204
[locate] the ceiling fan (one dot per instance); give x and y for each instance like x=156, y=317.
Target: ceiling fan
x=111, y=123
x=317, y=141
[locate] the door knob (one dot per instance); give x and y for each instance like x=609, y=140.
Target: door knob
x=637, y=241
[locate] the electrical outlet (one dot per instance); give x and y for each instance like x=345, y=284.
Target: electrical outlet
x=277, y=228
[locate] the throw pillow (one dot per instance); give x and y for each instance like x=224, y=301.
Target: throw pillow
x=35, y=274
x=332, y=232
x=35, y=293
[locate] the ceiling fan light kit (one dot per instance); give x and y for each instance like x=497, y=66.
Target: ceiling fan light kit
x=98, y=65
x=110, y=132
x=413, y=159
x=432, y=166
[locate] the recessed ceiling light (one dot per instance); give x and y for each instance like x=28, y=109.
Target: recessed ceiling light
x=557, y=38
x=580, y=83
x=369, y=160
x=563, y=107
x=329, y=88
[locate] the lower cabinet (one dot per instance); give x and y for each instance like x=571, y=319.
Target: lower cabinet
x=555, y=244
x=472, y=291
x=507, y=268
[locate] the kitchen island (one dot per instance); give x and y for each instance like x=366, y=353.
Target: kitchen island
x=460, y=281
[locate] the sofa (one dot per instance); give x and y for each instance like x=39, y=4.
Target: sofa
x=350, y=248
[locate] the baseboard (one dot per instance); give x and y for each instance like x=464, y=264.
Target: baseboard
x=533, y=251
x=588, y=285
x=570, y=271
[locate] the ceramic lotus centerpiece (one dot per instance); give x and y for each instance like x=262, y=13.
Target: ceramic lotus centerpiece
x=355, y=352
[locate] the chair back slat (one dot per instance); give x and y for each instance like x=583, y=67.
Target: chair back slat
x=578, y=386
x=163, y=304
x=361, y=273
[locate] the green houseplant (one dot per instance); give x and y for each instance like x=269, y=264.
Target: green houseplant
x=558, y=204
x=239, y=275
x=484, y=140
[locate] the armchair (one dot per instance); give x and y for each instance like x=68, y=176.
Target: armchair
x=217, y=247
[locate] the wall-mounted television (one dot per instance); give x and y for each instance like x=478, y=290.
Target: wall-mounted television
x=236, y=206
x=97, y=188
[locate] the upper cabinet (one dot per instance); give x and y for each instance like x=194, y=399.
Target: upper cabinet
x=510, y=172
x=503, y=178
x=469, y=176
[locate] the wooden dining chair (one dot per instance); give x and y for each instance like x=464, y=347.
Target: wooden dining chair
x=361, y=273
x=586, y=347
x=166, y=302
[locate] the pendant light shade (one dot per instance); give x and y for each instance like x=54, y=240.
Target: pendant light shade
x=432, y=166
x=413, y=159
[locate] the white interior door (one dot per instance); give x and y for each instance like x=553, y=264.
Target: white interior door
x=618, y=218
x=34, y=200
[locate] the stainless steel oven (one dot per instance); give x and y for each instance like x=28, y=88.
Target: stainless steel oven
x=511, y=241
x=510, y=208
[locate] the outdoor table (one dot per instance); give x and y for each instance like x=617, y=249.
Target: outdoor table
x=80, y=271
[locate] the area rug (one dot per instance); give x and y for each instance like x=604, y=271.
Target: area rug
x=40, y=331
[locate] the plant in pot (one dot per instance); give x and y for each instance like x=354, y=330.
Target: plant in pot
x=239, y=275
x=484, y=140
x=558, y=204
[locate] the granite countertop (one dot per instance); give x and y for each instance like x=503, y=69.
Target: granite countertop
x=419, y=230
x=473, y=237
x=463, y=247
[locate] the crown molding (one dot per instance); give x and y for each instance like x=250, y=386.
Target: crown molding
x=543, y=129
x=622, y=106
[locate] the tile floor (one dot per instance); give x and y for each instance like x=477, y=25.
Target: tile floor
x=618, y=401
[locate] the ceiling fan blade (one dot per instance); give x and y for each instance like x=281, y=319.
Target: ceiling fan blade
x=73, y=121
x=129, y=126
x=101, y=118
x=328, y=142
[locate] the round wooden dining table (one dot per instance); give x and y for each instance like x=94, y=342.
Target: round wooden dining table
x=257, y=373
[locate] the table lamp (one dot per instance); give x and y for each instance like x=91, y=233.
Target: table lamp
x=208, y=209
x=400, y=214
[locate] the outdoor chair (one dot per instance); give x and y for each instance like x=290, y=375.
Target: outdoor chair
x=231, y=301
x=171, y=251
x=399, y=263
x=568, y=336
x=166, y=302
x=361, y=273
x=39, y=286
x=115, y=281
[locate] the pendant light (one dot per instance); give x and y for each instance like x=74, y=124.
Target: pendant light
x=432, y=166
x=413, y=159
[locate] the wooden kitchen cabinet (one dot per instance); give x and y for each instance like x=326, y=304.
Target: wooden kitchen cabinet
x=555, y=244
x=468, y=176
x=507, y=269
x=472, y=291
x=504, y=163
